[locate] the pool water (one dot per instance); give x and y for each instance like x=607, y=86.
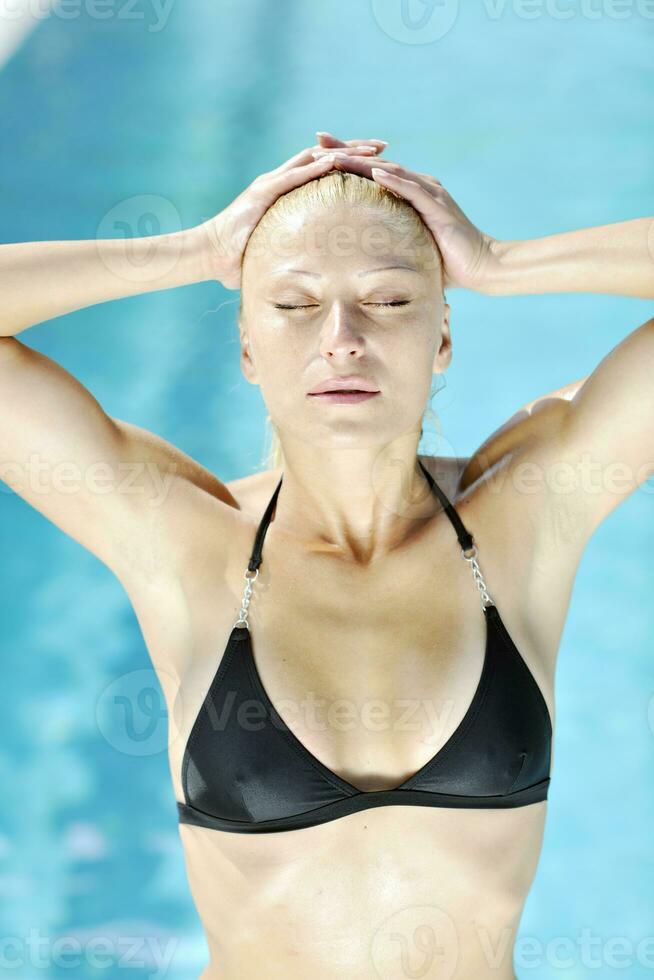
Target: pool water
x=153, y=117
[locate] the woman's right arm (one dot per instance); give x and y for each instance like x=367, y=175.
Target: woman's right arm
x=105, y=483
x=113, y=487
x=41, y=280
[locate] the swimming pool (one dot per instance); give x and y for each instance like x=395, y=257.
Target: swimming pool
x=536, y=124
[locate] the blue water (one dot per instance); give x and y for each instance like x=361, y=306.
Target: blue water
x=536, y=123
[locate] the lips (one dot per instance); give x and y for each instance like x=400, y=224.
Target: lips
x=351, y=383
x=346, y=396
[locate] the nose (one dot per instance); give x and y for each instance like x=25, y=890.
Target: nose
x=340, y=337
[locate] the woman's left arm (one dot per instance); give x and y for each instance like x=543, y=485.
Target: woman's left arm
x=616, y=258
x=604, y=438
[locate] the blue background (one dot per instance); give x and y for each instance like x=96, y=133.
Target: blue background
x=536, y=122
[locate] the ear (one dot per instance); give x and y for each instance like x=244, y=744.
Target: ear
x=247, y=361
x=443, y=355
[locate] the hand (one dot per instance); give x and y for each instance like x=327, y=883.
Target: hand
x=468, y=254
x=226, y=235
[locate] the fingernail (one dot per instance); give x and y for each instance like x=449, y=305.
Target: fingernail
x=378, y=172
x=320, y=132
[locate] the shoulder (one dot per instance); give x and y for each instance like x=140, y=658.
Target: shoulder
x=530, y=436
x=447, y=471
x=252, y=493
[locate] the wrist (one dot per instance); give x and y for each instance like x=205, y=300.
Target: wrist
x=497, y=269
x=199, y=263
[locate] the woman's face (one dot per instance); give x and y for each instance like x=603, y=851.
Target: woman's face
x=339, y=293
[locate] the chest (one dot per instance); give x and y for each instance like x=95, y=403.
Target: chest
x=370, y=677
x=371, y=672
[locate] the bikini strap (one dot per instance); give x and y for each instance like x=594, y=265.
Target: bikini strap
x=255, y=557
x=255, y=560
x=464, y=536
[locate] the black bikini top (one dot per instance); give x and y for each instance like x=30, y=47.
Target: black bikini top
x=245, y=771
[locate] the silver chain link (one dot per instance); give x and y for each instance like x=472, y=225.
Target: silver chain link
x=245, y=602
x=476, y=574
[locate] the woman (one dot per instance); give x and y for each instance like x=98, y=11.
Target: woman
x=361, y=722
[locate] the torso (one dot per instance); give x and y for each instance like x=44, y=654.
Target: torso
x=389, y=890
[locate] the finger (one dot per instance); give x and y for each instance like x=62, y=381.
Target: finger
x=431, y=178
x=362, y=150
x=414, y=192
x=298, y=160
x=305, y=156
x=363, y=166
x=328, y=140
x=282, y=180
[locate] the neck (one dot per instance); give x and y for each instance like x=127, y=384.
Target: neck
x=357, y=504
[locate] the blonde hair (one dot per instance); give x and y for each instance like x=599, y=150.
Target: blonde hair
x=327, y=192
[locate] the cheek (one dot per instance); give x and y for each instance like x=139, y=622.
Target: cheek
x=286, y=350
x=281, y=370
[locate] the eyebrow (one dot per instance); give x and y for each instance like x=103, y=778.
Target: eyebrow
x=316, y=275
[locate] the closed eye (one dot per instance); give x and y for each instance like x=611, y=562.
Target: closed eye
x=285, y=306
x=395, y=302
